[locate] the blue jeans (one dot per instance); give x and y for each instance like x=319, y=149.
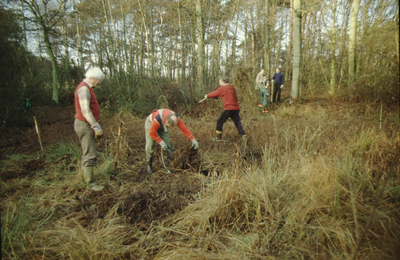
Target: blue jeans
x=264, y=93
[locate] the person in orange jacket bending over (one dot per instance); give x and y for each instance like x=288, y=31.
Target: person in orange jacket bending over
x=156, y=127
x=231, y=107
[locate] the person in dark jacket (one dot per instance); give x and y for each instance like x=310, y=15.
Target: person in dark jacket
x=278, y=85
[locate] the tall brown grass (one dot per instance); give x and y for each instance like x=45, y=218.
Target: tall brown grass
x=315, y=185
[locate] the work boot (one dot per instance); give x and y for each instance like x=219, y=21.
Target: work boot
x=95, y=187
x=218, y=136
x=87, y=173
x=149, y=161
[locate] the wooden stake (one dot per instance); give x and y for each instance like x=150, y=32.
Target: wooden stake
x=118, y=138
x=38, y=132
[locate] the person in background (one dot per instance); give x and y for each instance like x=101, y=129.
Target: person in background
x=156, y=130
x=231, y=107
x=258, y=84
x=86, y=126
x=278, y=85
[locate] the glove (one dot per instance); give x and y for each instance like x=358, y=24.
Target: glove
x=195, y=144
x=98, y=135
x=164, y=146
x=281, y=86
x=98, y=132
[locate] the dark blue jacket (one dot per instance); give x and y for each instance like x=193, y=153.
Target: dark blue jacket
x=278, y=77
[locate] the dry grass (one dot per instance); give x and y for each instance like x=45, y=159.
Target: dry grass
x=308, y=190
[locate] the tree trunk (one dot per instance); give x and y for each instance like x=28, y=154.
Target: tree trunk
x=25, y=40
x=113, y=59
x=176, y=60
x=183, y=58
x=267, y=68
x=170, y=59
x=245, y=40
x=233, y=56
x=279, y=43
x=78, y=41
x=352, y=43
x=141, y=57
x=364, y=26
x=253, y=41
x=64, y=33
x=307, y=54
x=342, y=48
x=396, y=35
x=145, y=30
x=200, y=47
x=53, y=62
x=125, y=45
x=296, y=49
x=288, y=62
x=193, y=53
x=151, y=47
x=333, y=51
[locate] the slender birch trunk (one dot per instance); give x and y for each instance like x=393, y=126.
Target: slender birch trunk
x=25, y=39
x=142, y=50
x=296, y=49
x=245, y=40
x=333, y=51
x=253, y=40
x=200, y=47
x=288, y=62
x=352, y=43
x=279, y=43
x=53, y=62
x=342, y=49
x=233, y=56
x=78, y=41
x=193, y=52
x=364, y=25
x=267, y=68
x=183, y=59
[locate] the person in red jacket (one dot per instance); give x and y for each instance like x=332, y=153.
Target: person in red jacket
x=231, y=107
x=86, y=126
x=156, y=128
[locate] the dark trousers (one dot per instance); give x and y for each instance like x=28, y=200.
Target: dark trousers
x=277, y=90
x=234, y=115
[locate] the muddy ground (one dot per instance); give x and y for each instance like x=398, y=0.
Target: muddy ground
x=131, y=192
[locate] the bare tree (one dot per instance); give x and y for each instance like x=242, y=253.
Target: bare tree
x=47, y=15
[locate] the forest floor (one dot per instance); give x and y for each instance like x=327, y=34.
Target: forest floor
x=50, y=179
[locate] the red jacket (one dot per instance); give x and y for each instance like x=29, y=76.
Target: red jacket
x=156, y=124
x=94, y=105
x=228, y=94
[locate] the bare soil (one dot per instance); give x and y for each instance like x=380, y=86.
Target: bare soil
x=149, y=197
